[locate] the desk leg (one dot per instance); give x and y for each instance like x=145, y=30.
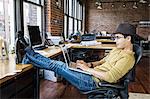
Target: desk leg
x=37, y=84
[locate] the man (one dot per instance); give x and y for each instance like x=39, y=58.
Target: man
x=111, y=68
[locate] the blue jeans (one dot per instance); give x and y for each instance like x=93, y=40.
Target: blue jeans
x=81, y=81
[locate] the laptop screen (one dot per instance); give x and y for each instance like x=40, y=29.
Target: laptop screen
x=34, y=33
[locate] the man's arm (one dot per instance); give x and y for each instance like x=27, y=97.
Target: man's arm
x=91, y=64
x=95, y=73
x=96, y=63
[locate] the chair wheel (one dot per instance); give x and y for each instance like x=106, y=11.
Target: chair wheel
x=111, y=94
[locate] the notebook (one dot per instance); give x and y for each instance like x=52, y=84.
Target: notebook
x=68, y=63
x=79, y=70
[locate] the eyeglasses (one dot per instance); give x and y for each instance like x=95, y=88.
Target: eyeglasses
x=117, y=37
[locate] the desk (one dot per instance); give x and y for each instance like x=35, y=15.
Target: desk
x=18, y=81
x=51, y=51
x=106, y=41
x=9, y=67
x=87, y=52
x=99, y=46
x=21, y=80
x=103, y=37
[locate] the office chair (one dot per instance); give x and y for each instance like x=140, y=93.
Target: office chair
x=117, y=90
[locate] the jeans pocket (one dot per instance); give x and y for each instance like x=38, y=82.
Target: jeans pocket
x=86, y=82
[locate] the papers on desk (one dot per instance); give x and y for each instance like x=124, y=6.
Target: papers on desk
x=90, y=43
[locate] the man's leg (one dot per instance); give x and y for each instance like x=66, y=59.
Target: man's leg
x=79, y=80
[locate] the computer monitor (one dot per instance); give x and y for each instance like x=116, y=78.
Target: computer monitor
x=34, y=34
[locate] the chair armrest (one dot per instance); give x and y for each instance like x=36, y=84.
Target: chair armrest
x=99, y=90
x=104, y=86
x=114, y=85
x=118, y=86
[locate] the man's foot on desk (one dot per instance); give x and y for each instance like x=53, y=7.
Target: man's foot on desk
x=22, y=40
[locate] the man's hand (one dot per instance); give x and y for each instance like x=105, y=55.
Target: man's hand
x=84, y=66
x=81, y=66
x=82, y=62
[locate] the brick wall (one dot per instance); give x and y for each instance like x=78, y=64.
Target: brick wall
x=108, y=18
x=54, y=17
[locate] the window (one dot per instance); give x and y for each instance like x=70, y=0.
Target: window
x=70, y=31
x=40, y=2
x=70, y=8
x=75, y=9
x=80, y=12
x=7, y=30
x=32, y=15
x=78, y=7
x=73, y=20
x=65, y=26
x=35, y=1
x=75, y=25
x=66, y=6
x=79, y=25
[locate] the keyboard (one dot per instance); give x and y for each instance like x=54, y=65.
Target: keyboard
x=79, y=70
x=40, y=47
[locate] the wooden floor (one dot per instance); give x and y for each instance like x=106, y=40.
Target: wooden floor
x=51, y=90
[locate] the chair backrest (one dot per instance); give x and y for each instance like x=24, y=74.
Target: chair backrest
x=138, y=54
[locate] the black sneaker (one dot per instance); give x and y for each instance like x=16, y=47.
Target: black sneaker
x=21, y=39
x=21, y=45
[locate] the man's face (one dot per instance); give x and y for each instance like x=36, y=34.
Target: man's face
x=120, y=41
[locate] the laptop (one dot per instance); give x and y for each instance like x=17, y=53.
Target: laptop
x=68, y=63
x=35, y=38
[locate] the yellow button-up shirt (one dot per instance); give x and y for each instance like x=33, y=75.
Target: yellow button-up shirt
x=116, y=64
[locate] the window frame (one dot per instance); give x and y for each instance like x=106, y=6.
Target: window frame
x=42, y=11
x=74, y=16
x=41, y=5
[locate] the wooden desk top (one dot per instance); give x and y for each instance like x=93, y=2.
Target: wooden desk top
x=99, y=46
x=104, y=40
x=51, y=51
x=102, y=37
x=8, y=68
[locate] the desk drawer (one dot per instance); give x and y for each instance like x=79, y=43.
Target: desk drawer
x=26, y=93
x=23, y=85
x=24, y=80
x=8, y=90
